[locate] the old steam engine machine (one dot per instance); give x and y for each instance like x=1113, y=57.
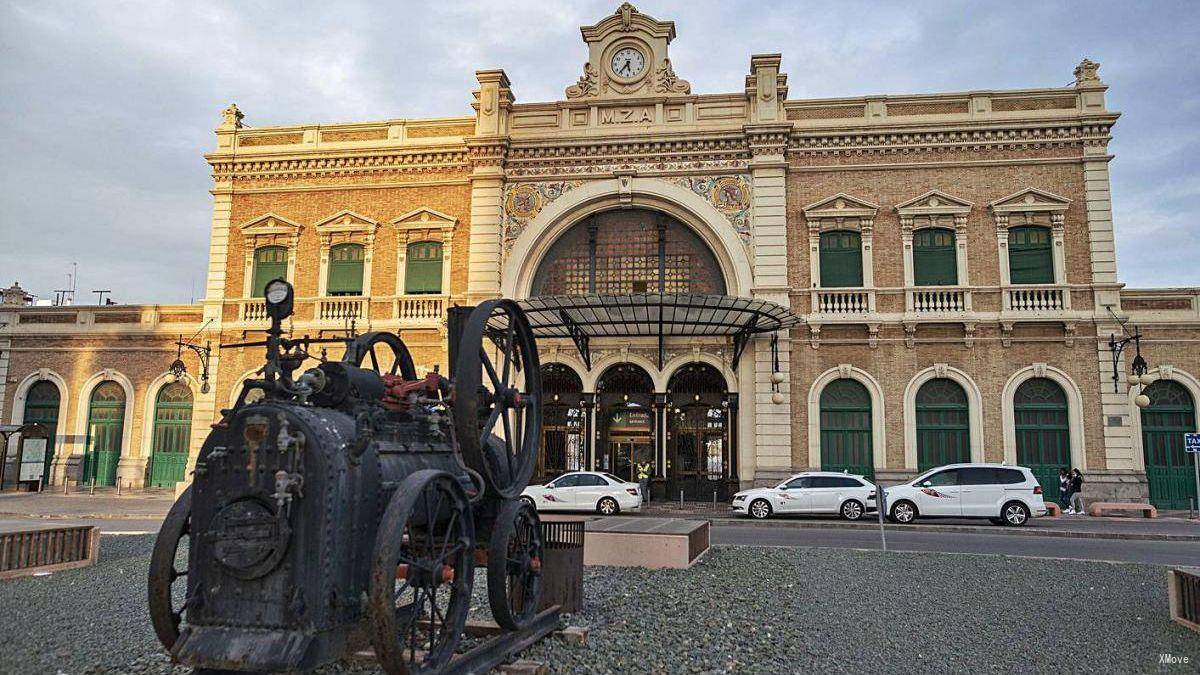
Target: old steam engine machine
x=355, y=500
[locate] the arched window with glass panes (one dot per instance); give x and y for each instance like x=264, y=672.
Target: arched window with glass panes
x=270, y=262
x=935, y=261
x=345, y=270
x=841, y=259
x=423, y=267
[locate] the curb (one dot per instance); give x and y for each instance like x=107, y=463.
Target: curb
x=962, y=529
x=85, y=516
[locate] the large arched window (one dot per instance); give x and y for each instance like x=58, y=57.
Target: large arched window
x=935, y=262
x=629, y=251
x=1043, y=431
x=41, y=407
x=699, y=457
x=423, y=267
x=563, y=422
x=105, y=433
x=345, y=269
x=841, y=259
x=943, y=424
x=270, y=262
x=172, y=435
x=1169, y=469
x=1030, y=255
x=846, y=443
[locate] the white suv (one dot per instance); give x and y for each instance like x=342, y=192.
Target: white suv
x=811, y=492
x=1004, y=494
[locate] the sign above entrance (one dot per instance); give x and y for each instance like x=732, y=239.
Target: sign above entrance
x=661, y=315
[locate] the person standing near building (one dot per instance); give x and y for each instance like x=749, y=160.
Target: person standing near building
x=1064, y=489
x=1076, y=488
x=643, y=470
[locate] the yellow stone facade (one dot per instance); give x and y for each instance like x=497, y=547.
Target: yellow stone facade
x=757, y=176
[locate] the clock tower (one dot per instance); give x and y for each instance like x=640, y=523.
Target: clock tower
x=627, y=56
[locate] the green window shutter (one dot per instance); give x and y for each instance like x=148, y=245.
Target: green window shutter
x=1030, y=256
x=270, y=262
x=935, y=262
x=841, y=259
x=423, y=268
x=345, y=270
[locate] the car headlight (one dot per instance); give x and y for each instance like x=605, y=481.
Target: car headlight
x=739, y=498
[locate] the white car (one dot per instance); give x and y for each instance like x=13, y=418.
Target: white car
x=1004, y=494
x=846, y=494
x=585, y=491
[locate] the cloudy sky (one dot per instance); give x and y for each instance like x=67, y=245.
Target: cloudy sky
x=107, y=107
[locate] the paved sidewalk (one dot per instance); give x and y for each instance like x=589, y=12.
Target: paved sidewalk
x=130, y=505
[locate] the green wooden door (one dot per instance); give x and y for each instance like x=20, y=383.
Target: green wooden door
x=423, y=268
x=841, y=259
x=172, y=435
x=1030, y=257
x=846, y=428
x=345, y=270
x=1171, y=414
x=935, y=262
x=41, y=407
x=270, y=262
x=105, y=431
x=1043, y=431
x=943, y=424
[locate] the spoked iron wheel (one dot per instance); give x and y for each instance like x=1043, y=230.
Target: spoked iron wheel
x=382, y=352
x=497, y=396
x=421, y=577
x=514, y=571
x=165, y=613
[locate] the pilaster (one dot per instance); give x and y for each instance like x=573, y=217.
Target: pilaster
x=487, y=150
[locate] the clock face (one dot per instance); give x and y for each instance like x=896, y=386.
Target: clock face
x=628, y=62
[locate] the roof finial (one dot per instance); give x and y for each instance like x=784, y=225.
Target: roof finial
x=626, y=11
x=231, y=117
x=1087, y=72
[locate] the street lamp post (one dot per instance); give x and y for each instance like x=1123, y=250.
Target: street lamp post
x=1139, y=367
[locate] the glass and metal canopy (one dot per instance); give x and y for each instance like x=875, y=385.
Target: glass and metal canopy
x=660, y=315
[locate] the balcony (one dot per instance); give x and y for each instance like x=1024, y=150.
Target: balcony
x=1036, y=299
x=252, y=309
x=843, y=301
x=340, y=309
x=420, y=310
x=939, y=300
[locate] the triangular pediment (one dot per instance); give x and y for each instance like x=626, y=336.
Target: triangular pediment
x=934, y=202
x=270, y=223
x=425, y=218
x=1030, y=199
x=347, y=221
x=841, y=205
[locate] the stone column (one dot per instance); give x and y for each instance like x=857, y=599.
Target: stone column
x=487, y=149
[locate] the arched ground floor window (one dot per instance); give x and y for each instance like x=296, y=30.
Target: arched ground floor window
x=105, y=433
x=172, y=435
x=943, y=424
x=846, y=433
x=1043, y=431
x=1169, y=469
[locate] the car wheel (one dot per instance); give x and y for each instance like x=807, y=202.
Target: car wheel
x=760, y=509
x=529, y=501
x=608, y=507
x=1015, y=514
x=852, y=509
x=904, y=512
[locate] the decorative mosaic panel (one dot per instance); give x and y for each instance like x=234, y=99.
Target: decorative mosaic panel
x=523, y=201
x=729, y=194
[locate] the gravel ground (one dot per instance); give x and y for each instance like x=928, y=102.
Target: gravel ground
x=740, y=610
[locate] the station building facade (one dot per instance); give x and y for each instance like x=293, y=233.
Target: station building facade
x=949, y=258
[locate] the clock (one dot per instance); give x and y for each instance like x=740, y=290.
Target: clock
x=627, y=63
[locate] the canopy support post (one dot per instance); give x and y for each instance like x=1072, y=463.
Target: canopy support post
x=579, y=337
x=740, y=339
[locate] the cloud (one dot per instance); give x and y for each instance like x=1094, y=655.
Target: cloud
x=109, y=106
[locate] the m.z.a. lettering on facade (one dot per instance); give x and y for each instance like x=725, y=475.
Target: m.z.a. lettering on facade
x=626, y=115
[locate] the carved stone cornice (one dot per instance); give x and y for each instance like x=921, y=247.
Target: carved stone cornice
x=587, y=156
x=768, y=139
x=228, y=167
x=901, y=141
x=488, y=152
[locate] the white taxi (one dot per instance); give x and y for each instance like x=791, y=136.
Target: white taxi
x=603, y=493
x=845, y=494
x=1002, y=493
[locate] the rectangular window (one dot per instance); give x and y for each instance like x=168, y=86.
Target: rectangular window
x=270, y=262
x=935, y=261
x=423, y=268
x=345, y=270
x=841, y=259
x=1030, y=256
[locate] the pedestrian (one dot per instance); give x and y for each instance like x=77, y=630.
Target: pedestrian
x=1064, y=489
x=644, y=481
x=1076, y=488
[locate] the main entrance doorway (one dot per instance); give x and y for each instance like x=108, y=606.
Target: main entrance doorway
x=627, y=422
x=564, y=423
x=698, y=443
